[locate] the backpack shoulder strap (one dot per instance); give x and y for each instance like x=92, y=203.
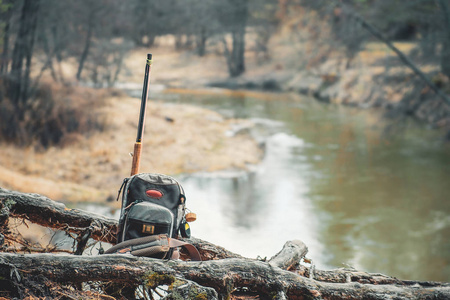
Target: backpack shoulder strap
x=151, y=245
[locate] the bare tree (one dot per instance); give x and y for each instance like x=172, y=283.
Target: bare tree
x=6, y=8
x=233, y=17
x=445, y=57
x=19, y=76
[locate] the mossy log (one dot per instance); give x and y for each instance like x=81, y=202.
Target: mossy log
x=46, y=212
x=225, y=276
x=222, y=274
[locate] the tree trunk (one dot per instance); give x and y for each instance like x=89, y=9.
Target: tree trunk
x=5, y=59
x=46, y=212
x=221, y=274
x=49, y=61
x=237, y=53
x=225, y=276
x=445, y=52
x=87, y=44
x=55, y=35
x=29, y=54
x=23, y=50
x=235, y=57
x=201, y=42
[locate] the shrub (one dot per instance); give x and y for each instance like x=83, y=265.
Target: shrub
x=55, y=116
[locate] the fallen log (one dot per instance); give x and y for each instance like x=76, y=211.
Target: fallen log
x=290, y=256
x=344, y=275
x=46, y=212
x=222, y=274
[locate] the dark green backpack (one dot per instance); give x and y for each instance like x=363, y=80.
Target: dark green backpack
x=152, y=217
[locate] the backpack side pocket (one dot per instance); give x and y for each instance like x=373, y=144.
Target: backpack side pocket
x=146, y=218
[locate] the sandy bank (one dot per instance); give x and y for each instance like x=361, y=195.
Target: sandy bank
x=178, y=139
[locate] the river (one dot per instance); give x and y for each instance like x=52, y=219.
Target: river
x=358, y=195
x=332, y=177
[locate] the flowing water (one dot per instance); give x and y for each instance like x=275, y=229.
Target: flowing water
x=332, y=178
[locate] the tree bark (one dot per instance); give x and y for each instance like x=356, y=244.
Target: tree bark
x=46, y=212
x=225, y=276
x=290, y=256
x=351, y=275
x=221, y=274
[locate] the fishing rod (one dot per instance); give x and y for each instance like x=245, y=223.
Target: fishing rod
x=140, y=131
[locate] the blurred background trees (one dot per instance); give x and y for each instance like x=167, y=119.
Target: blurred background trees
x=425, y=21
x=78, y=30
x=98, y=34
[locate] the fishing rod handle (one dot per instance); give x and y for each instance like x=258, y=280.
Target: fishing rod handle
x=136, y=159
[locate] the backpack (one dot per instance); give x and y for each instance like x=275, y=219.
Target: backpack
x=152, y=216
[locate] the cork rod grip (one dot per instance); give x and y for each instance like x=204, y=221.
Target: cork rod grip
x=136, y=158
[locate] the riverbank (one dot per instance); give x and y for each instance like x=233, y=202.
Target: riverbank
x=374, y=79
x=90, y=168
x=178, y=139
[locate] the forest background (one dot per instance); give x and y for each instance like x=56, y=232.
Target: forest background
x=327, y=50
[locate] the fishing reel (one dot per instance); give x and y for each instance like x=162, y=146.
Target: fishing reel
x=185, y=229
